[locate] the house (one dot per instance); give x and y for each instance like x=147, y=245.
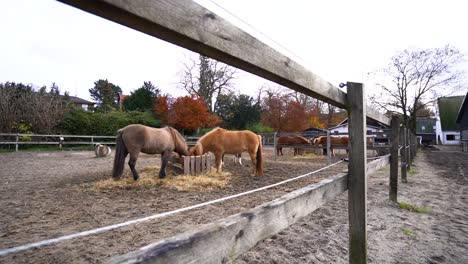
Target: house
x=313, y=132
x=373, y=127
x=426, y=130
x=447, y=129
x=81, y=103
x=462, y=121
x=121, y=99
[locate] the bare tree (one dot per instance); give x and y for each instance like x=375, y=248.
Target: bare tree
x=20, y=106
x=207, y=78
x=415, y=78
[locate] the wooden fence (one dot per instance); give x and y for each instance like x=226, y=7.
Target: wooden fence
x=189, y=25
x=59, y=140
x=224, y=240
x=194, y=165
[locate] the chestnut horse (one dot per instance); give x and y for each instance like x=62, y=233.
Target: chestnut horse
x=134, y=139
x=220, y=141
x=334, y=141
x=287, y=141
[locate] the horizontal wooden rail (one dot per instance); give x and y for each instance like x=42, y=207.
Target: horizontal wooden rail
x=65, y=136
x=190, y=25
x=226, y=239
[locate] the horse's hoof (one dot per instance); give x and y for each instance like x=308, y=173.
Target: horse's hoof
x=135, y=178
x=162, y=176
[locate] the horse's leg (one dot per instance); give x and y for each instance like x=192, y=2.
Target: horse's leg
x=165, y=157
x=239, y=157
x=132, y=162
x=219, y=162
x=253, y=157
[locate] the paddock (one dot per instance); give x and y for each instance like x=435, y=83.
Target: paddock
x=50, y=194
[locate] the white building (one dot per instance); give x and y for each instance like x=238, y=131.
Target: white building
x=447, y=130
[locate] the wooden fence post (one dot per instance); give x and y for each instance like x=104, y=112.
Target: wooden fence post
x=408, y=150
x=16, y=146
x=328, y=147
x=394, y=158
x=186, y=165
x=357, y=178
x=403, y=153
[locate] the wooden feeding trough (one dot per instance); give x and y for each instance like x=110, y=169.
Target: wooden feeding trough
x=193, y=165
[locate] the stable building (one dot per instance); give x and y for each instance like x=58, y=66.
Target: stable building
x=447, y=108
x=426, y=130
x=462, y=121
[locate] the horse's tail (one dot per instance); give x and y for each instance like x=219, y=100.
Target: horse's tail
x=260, y=157
x=120, y=155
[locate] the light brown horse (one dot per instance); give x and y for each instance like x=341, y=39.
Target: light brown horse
x=134, y=139
x=290, y=141
x=340, y=141
x=220, y=141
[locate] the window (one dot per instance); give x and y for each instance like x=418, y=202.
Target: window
x=450, y=137
x=84, y=107
x=423, y=128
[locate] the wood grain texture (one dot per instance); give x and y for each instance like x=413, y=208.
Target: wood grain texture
x=357, y=180
x=224, y=240
x=393, y=190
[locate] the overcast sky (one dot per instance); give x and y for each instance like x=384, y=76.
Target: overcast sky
x=44, y=41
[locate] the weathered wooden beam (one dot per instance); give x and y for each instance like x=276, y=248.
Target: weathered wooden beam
x=393, y=190
x=357, y=180
x=404, y=156
x=377, y=164
x=189, y=25
x=224, y=240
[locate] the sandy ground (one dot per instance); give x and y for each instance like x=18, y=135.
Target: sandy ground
x=439, y=182
x=45, y=195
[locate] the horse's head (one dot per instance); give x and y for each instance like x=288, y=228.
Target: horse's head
x=196, y=150
x=180, y=145
x=315, y=141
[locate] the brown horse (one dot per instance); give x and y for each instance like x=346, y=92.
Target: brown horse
x=343, y=141
x=220, y=141
x=287, y=141
x=134, y=139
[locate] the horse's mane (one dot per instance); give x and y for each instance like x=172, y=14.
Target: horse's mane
x=216, y=129
x=177, y=137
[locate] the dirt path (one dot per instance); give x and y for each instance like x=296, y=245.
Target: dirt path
x=46, y=195
x=395, y=235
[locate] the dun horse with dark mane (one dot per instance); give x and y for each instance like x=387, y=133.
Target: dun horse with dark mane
x=134, y=139
x=220, y=141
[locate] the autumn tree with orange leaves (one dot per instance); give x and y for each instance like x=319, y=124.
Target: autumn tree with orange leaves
x=161, y=108
x=295, y=117
x=189, y=113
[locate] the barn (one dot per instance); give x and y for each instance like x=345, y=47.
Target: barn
x=447, y=110
x=426, y=129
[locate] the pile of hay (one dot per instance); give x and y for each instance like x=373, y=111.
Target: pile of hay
x=307, y=156
x=149, y=177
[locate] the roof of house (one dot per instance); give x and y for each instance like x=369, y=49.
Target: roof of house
x=369, y=121
x=463, y=109
x=314, y=129
x=425, y=125
x=448, y=111
x=77, y=100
